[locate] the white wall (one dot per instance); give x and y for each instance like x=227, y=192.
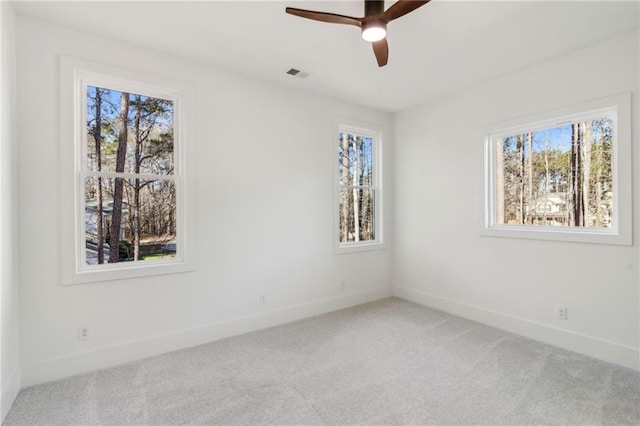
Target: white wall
x=9, y=344
x=265, y=158
x=441, y=260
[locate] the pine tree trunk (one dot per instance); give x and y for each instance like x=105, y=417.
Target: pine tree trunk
x=344, y=214
x=364, y=213
x=599, y=200
x=586, y=171
x=520, y=180
x=136, y=188
x=576, y=176
x=529, y=203
x=547, y=179
x=356, y=210
x=97, y=136
x=499, y=182
x=121, y=155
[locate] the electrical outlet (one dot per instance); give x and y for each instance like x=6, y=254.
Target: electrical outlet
x=561, y=312
x=262, y=299
x=343, y=285
x=83, y=333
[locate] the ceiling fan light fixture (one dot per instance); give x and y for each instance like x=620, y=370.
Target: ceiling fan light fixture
x=374, y=30
x=373, y=24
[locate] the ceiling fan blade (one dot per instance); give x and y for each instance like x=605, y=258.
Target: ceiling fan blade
x=325, y=17
x=401, y=8
x=381, y=49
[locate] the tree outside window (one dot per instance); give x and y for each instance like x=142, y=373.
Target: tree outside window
x=557, y=176
x=129, y=184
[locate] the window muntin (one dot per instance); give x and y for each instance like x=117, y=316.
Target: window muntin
x=358, y=189
x=591, y=139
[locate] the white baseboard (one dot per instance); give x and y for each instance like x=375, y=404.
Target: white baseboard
x=95, y=359
x=9, y=394
x=615, y=353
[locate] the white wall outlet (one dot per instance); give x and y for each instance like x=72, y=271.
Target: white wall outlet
x=83, y=333
x=262, y=299
x=561, y=312
x=343, y=284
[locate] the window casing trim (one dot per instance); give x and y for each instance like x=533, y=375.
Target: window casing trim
x=619, y=108
x=75, y=76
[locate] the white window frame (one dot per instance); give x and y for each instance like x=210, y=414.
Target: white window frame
x=362, y=129
x=75, y=76
x=620, y=233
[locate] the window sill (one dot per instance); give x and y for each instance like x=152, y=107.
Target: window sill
x=589, y=236
x=123, y=271
x=359, y=247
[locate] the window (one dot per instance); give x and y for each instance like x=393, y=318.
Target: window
x=564, y=177
x=127, y=175
x=359, y=191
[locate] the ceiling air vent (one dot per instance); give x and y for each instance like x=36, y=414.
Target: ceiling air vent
x=297, y=73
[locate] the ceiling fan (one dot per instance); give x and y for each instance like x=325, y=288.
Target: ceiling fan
x=373, y=24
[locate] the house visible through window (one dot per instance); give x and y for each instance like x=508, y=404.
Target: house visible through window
x=129, y=189
x=358, y=188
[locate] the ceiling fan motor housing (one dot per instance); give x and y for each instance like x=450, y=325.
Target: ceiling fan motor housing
x=373, y=7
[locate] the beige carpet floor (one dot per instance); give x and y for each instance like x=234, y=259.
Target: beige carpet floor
x=388, y=362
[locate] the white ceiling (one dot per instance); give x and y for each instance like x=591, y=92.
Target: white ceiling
x=442, y=47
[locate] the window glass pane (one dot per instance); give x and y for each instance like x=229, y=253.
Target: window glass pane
x=357, y=215
x=559, y=176
x=344, y=170
x=139, y=127
x=366, y=168
x=146, y=229
x=355, y=160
